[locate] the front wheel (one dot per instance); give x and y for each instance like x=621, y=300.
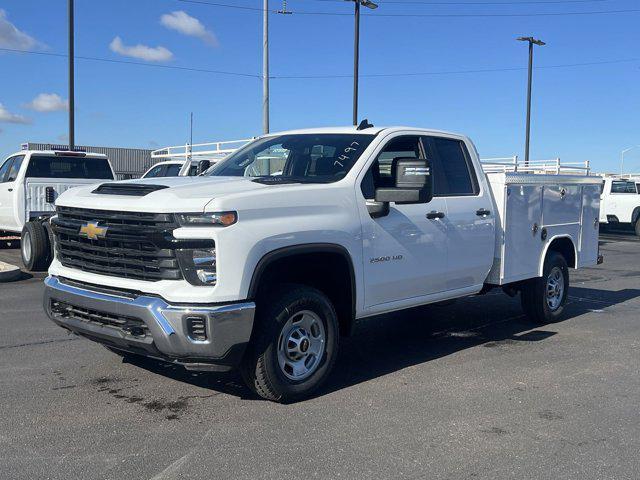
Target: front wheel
x=294, y=345
x=543, y=298
x=637, y=227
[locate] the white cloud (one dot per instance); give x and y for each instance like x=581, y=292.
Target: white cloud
x=143, y=52
x=48, y=102
x=11, y=37
x=184, y=23
x=7, y=117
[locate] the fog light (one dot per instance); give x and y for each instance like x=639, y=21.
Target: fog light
x=198, y=265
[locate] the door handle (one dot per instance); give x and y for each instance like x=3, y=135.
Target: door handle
x=9, y=189
x=483, y=212
x=434, y=215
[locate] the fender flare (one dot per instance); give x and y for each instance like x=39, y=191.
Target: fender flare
x=304, y=248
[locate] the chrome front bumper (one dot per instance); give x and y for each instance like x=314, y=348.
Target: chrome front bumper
x=228, y=326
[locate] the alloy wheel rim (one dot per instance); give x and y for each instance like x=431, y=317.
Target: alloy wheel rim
x=26, y=246
x=301, y=345
x=555, y=288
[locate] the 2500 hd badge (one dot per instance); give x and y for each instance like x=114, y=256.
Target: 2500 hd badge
x=385, y=259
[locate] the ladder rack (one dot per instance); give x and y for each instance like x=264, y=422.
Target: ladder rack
x=540, y=167
x=199, y=151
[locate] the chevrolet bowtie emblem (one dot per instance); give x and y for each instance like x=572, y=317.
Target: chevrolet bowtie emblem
x=92, y=231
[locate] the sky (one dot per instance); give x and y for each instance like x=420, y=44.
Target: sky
x=445, y=64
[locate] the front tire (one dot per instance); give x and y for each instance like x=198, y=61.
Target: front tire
x=637, y=227
x=294, y=345
x=543, y=298
x=34, y=247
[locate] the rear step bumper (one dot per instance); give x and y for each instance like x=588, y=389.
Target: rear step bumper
x=211, y=337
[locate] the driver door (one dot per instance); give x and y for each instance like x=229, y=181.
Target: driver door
x=405, y=253
x=7, y=186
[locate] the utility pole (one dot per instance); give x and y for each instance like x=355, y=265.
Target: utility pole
x=356, y=51
x=532, y=41
x=265, y=68
x=72, y=133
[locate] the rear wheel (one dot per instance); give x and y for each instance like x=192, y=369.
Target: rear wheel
x=543, y=298
x=34, y=247
x=294, y=346
x=637, y=227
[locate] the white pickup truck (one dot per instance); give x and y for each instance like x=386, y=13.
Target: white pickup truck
x=265, y=271
x=620, y=202
x=30, y=182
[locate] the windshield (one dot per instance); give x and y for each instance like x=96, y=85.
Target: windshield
x=62, y=166
x=308, y=158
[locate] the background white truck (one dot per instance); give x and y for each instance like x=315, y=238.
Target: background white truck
x=265, y=262
x=30, y=182
x=190, y=160
x=620, y=202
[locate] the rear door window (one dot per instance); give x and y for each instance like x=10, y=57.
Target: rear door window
x=4, y=169
x=623, y=187
x=452, y=169
x=61, y=166
x=13, y=171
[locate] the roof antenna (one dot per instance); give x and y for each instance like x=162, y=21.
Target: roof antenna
x=364, y=124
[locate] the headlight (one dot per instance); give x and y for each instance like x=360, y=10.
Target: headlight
x=222, y=219
x=198, y=265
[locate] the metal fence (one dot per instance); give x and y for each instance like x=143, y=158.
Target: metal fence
x=126, y=162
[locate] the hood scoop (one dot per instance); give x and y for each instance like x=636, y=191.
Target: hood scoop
x=128, y=189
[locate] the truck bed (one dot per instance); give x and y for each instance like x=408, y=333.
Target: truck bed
x=534, y=209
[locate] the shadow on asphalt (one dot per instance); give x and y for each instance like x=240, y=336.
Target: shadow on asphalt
x=389, y=343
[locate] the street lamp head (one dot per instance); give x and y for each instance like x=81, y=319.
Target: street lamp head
x=365, y=3
x=531, y=40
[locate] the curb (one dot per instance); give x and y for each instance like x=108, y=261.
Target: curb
x=8, y=272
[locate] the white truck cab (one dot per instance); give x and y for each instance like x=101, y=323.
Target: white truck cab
x=268, y=258
x=30, y=182
x=174, y=168
x=620, y=202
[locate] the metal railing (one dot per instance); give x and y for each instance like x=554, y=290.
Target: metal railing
x=199, y=151
x=543, y=167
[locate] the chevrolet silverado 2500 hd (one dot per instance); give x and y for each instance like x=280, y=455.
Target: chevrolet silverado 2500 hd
x=243, y=267
x=30, y=182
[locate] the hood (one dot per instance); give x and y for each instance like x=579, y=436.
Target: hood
x=182, y=194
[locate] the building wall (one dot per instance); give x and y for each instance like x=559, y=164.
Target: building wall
x=126, y=162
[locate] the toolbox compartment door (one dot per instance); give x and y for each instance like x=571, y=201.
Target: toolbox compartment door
x=588, y=254
x=522, y=245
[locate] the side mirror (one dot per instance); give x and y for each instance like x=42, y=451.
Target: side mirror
x=203, y=166
x=413, y=182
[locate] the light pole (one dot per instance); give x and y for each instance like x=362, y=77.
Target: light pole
x=622, y=157
x=72, y=132
x=265, y=68
x=356, y=51
x=531, y=41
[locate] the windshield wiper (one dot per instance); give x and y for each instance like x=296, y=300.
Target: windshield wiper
x=280, y=180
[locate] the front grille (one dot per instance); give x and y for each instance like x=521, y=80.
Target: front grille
x=129, y=325
x=132, y=247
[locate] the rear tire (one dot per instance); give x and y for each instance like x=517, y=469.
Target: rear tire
x=637, y=227
x=543, y=298
x=34, y=247
x=294, y=344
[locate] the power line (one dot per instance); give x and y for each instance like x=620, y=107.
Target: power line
x=127, y=62
x=482, y=3
x=455, y=72
x=431, y=15
x=300, y=77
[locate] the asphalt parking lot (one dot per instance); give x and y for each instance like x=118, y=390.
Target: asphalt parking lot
x=467, y=391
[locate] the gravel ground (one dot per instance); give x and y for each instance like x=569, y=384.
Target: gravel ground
x=466, y=391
